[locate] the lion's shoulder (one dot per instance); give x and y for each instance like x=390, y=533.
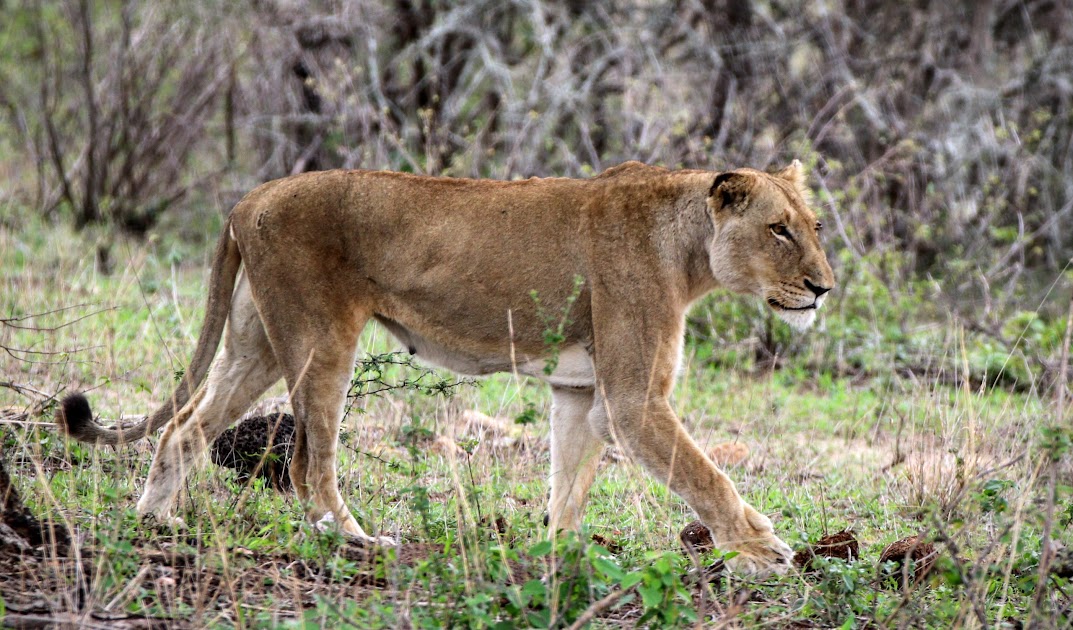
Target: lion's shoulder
x=632, y=168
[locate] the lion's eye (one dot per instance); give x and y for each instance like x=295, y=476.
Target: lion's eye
x=779, y=229
x=819, y=226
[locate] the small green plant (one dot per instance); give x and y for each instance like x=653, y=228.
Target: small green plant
x=843, y=592
x=529, y=415
x=120, y=556
x=555, y=323
x=666, y=599
x=1056, y=442
x=990, y=496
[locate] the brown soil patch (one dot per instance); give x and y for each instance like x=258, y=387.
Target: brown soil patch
x=914, y=548
x=697, y=537
x=261, y=446
x=842, y=545
x=18, y=527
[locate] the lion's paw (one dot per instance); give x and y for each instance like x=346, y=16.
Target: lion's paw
x=366, y=539
x=164, y=521
x=352, y=531
x=761, y=558
x=759, y=551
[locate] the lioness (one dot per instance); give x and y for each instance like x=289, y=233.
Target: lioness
x=449, y=267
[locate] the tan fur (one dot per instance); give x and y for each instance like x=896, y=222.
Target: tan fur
x=448, y=266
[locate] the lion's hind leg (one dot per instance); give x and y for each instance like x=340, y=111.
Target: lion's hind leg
x=319, y=395
x=315, y=337
x=575, y=456
x=241, y=373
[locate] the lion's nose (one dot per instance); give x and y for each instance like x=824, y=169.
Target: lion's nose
x=818, y=290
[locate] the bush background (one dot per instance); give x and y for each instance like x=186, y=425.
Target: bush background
x=932, y=397
x=938, y=135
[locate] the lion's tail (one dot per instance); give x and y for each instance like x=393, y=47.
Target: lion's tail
x=74, y=415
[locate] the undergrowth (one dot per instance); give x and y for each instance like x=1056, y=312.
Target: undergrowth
x=887, y=424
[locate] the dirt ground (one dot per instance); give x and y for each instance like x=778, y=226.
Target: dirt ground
x=40, y=587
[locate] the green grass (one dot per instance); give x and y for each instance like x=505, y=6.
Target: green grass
x=882, y=453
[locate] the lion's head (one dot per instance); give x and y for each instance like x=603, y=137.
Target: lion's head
x=767, y=241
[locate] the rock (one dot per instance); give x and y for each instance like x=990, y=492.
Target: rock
x=915, y=548
x=243, y=449
x=842, y=545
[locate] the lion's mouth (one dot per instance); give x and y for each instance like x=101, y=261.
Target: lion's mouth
x=782, y=307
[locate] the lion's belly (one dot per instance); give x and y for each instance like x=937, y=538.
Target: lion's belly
x=573, y=366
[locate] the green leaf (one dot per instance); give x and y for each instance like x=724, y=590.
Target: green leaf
x=609, y=568
x=631, y=579
x=540, y=618
x=542, y=548
x=651, y=594
x=534, y=588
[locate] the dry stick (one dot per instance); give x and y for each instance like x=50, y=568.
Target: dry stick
x=599, y=606
x=125, y=595
x=10, y=321
x=1046, y=555
x=1063, y=368
x=24, y=389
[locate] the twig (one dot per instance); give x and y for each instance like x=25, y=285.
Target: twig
x=599, y=606
x=20, y=388
x=61, y=309
x=1063, y=368
x=1046, y=553
x=8, y=322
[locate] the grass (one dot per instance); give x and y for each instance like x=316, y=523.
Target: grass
x=461, y=483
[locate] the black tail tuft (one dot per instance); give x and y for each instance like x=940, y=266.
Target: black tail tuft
x=74, y=415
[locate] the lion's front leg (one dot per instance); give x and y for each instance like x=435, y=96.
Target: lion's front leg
x=653, y=436
x=635, y=360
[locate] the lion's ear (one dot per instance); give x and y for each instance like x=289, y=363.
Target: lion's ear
x=729, y=190
x=794, y=173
